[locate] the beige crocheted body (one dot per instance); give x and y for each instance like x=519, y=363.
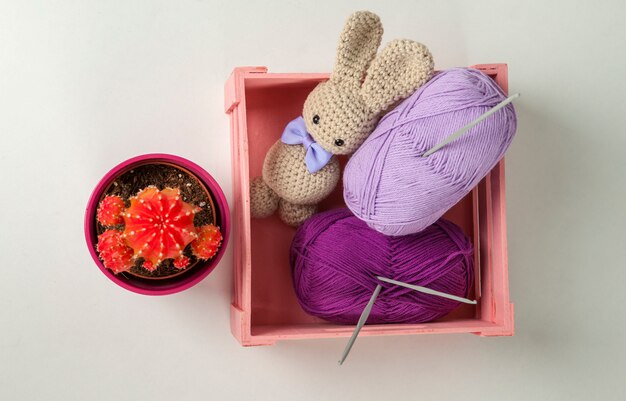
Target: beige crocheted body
x=285, y=172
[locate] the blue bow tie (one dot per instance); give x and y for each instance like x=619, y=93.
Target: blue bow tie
x=295, y=133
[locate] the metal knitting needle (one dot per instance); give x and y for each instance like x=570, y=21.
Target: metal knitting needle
x=426, y=290
x=364, y=315
x=466, y=128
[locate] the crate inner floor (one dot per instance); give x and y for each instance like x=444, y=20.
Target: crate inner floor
x=270, y=105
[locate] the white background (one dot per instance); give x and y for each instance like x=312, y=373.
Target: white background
x=85, y=85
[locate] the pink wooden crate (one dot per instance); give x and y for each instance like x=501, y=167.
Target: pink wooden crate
x=264, y=307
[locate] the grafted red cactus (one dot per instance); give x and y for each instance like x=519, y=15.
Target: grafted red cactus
x=208, y=242
x=181, y=262
x=114, y=252
x=110, y=211
x=149, y=265
x=159, y=225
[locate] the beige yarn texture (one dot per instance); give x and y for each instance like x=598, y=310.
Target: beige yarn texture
x=285, y=172
x=347, y=107
x=266, y=200
x=293, y=214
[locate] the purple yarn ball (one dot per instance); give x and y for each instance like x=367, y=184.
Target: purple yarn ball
x=335, y=258
x=389, y=185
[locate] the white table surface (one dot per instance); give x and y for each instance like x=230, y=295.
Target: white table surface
x=87, y=84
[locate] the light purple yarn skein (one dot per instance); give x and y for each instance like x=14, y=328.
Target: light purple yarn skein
x=335, y=258
x=392, y=188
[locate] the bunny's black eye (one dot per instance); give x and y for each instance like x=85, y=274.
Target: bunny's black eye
x=339, y=142
x=316, y=119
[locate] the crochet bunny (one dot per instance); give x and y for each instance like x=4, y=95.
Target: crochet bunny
x=301, y=168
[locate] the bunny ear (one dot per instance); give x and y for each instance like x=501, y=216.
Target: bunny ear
x=357, y=47
x=400, y=68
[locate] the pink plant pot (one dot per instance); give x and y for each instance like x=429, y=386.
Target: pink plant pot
x=176, y=283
